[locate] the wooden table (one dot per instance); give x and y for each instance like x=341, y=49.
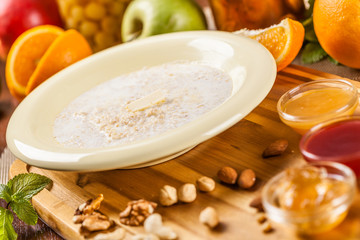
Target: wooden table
x=286, y=79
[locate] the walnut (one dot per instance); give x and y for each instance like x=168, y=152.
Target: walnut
x=136, y=212
x=90, y=218
x=90, y=206
x=96, y=222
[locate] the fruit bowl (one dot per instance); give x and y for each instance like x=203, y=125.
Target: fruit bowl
x=30, y=131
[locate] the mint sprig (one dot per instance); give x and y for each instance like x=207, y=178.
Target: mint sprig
x=6, y=229
x=18, y=193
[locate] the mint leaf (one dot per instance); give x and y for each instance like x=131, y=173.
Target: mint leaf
x=7, y=231
x=5, y=193
x=309, y=31
x=312, y=53
x=25, y=211
x=25, y=186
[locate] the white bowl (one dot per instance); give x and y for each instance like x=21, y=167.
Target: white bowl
x=251, y=67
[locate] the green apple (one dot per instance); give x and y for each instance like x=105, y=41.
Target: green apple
x=143, y=18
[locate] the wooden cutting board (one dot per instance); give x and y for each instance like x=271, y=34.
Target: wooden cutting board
x=239, y=147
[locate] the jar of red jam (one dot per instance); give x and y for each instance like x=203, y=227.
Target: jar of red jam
x=336, y=140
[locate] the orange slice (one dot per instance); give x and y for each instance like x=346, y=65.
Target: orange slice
x=25, y=54
x=67, y=49
x=283, y=40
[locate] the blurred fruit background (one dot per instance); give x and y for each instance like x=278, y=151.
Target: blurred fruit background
x=331, y=31
x=232, y=15
x=99, y=21
x=16, y=16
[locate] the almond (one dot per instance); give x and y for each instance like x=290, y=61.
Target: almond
x=246, y=179
x=227, y=175
x=257, y=203
x=275, y=148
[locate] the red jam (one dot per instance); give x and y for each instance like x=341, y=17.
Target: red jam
x=338, y=142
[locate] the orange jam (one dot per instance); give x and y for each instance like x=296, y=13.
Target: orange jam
x=308, y=188
x=310, y=198
x=304, y=108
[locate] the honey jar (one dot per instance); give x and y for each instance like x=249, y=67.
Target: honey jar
x=99, y=21
x=312, y=199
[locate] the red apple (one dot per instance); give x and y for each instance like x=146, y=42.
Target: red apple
x=16, y=16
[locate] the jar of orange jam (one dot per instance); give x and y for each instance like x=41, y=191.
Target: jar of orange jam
x=313, y=198
x=99, y=21
x=314, y=102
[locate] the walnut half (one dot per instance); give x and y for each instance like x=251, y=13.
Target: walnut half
x=90, y=218
x=136, y=212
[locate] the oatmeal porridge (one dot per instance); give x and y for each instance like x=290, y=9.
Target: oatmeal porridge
x=141, y=104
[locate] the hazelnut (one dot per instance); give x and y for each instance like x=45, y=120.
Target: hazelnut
x=205, y=184
x=227, y=175
x=209, y=217
x=168, y=195
x=148, y=236
x=246, y=179
x=187, y=193
x=166, y=233
x=153, y=223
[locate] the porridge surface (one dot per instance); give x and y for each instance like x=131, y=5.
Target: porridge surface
x=101, y=116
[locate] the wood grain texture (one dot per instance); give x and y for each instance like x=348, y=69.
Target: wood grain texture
x=239, y=147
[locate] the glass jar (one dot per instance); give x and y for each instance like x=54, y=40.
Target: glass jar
x=310, y=199
x=335, y=140
x=317, y=101
x=99, y=21
x=232, y=15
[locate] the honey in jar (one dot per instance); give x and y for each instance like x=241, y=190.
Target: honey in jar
x=314, y=102
x=312, y=198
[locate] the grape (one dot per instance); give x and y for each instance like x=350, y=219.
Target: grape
x=88, y=28
x=109, y=25
x=77, y=13
x=104, y=40
x=116, y=8
x=95, y=11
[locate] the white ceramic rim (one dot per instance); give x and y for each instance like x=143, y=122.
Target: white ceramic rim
x=28, y=134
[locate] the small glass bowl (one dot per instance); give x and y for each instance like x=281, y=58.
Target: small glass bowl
x=335, y=140
x=302, y=123
x=322, y=219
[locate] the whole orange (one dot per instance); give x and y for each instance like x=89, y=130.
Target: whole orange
x=337, y=27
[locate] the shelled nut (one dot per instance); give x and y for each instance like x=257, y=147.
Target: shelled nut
x=205, y=184
x=187, y=193
x=209, y=217
x=246, y=179
x=275, y=148
x=168, y=195
x=227, y=175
